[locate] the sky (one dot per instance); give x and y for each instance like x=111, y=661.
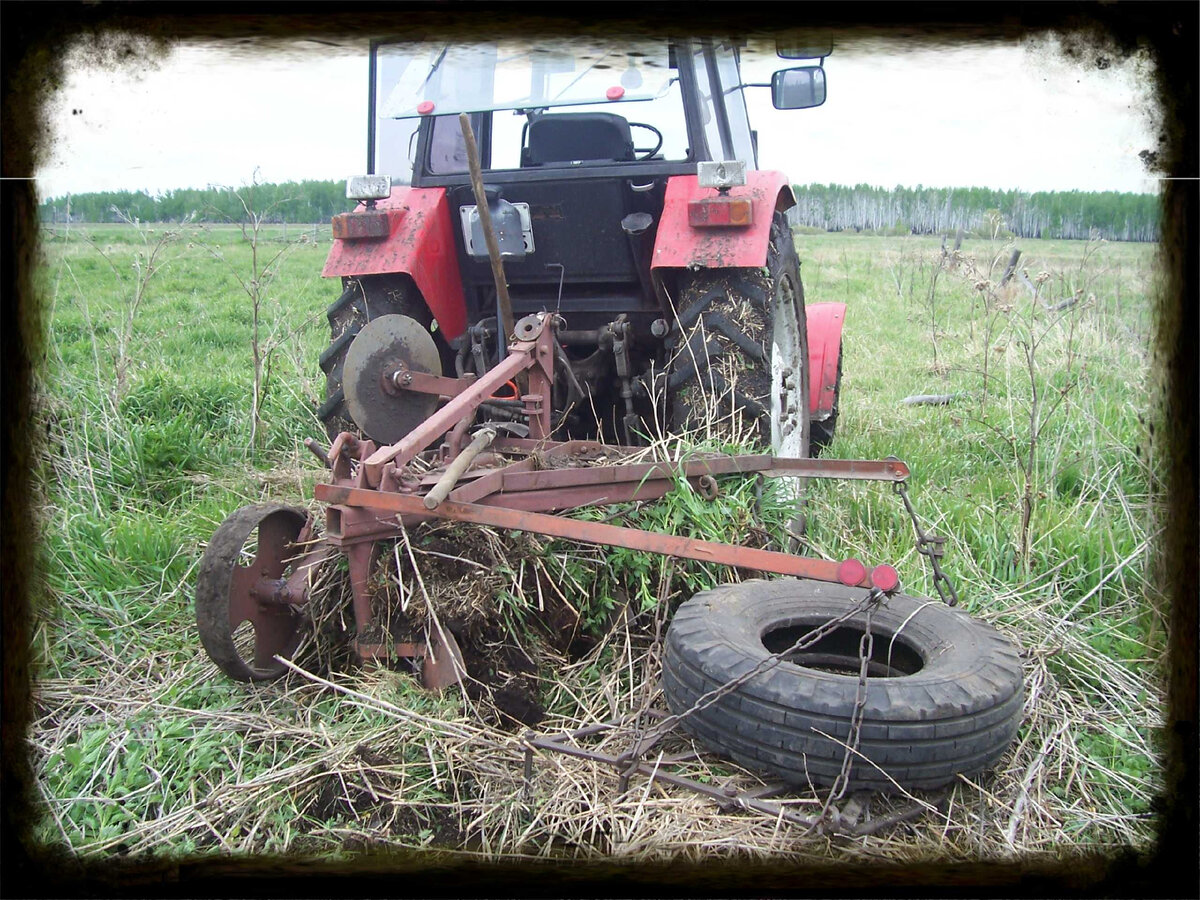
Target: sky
x=1006, y=116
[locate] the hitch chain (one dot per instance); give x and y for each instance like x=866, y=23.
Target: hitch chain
x=932, y=547
x=866, y=647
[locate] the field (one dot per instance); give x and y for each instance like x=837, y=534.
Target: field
x=1038, y=469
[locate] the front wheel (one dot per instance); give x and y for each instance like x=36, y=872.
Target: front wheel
x=242, y=628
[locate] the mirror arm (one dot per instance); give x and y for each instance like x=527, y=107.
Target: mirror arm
x=738, y=87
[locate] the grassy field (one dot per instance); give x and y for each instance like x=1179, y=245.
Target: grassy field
x=1038, y=471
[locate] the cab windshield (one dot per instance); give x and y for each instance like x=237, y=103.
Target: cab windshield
x=418, y=79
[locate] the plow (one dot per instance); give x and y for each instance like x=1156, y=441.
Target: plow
x=726, y=682
x=677, y=269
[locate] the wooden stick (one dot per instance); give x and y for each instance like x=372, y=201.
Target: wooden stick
x=485, y=220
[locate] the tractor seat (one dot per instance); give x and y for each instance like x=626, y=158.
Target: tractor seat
x=578, y=137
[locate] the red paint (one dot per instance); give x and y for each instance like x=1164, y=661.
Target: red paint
x=425, y=107
x=679, y=245
x=885, y=578
x=851, y=572
x=616, y=92
x=825, y=322
x=421, y=244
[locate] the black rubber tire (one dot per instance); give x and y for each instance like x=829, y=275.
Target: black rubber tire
x=363, y=300
x=956, y=713
x=822, y=430
x=721, y=345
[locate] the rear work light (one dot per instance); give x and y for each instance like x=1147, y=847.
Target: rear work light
x=368, y=187
x=721, y=210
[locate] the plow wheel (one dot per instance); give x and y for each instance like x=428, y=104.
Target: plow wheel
x=741, y=362
x=363, y=300
x=242, y=624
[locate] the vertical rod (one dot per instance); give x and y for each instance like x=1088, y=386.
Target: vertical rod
x=485, y=220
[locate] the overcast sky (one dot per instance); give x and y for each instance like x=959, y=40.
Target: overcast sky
x=1003, y=116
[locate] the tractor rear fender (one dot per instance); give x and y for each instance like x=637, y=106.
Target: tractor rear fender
x=680, y=245
x=419, y=243
x=824, y=352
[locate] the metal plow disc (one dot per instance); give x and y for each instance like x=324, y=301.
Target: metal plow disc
x=388, y=344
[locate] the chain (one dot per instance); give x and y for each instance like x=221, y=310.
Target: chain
x=932, y=547
x=866, y=646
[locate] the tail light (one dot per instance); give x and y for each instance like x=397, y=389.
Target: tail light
x=721, y=211
x=363, y=223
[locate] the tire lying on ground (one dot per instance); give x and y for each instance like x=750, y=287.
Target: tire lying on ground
x=944, y=692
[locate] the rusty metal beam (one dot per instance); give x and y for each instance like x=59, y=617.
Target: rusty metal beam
x=591, y=532
x=465, y=403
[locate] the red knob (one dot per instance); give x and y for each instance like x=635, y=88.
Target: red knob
x=851, y=572
x=885, y=578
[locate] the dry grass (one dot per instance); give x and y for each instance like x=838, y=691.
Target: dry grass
x=368, y=760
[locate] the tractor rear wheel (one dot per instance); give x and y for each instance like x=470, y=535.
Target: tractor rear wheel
x=740, y=362
x=363, y=300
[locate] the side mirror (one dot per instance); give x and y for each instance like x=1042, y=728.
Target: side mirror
x=800, y=88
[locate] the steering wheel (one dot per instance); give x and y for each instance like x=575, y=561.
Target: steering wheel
x=658, y=134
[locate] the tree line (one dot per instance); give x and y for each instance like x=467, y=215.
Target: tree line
x=832, y=207
x=302, y=202
x=926, y=210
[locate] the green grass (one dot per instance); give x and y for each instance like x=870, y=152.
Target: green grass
x=137, y=475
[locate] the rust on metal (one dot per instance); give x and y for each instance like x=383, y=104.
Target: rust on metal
x=455, y=470
x=592, y=533
x=406, y=379
x=441, y=421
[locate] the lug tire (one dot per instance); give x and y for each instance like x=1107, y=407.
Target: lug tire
x=955, y=712
x=362, y=300
x=721, y=380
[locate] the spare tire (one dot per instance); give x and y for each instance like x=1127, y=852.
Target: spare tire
x=944, y=692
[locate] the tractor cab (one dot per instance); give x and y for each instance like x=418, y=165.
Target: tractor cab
x=579, y=138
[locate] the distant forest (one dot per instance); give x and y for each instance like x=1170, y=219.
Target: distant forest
x=924, y=210
x=302, y=202
x=831, y=207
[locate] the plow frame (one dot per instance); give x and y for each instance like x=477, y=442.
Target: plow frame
x=375, y=493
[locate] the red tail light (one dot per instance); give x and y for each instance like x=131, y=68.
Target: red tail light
x=720, y=211
x=362, y=223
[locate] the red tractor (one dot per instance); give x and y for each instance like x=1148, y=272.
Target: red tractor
x=645, y=228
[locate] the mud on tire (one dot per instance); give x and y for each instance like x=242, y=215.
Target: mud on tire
x=944, y=691
x=362, y=300
x=722, y=376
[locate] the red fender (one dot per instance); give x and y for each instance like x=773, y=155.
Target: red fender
x=420, y=243
x=824, y=351
x=679, y=245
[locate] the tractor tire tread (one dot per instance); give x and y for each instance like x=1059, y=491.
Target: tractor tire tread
x=363, y=299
